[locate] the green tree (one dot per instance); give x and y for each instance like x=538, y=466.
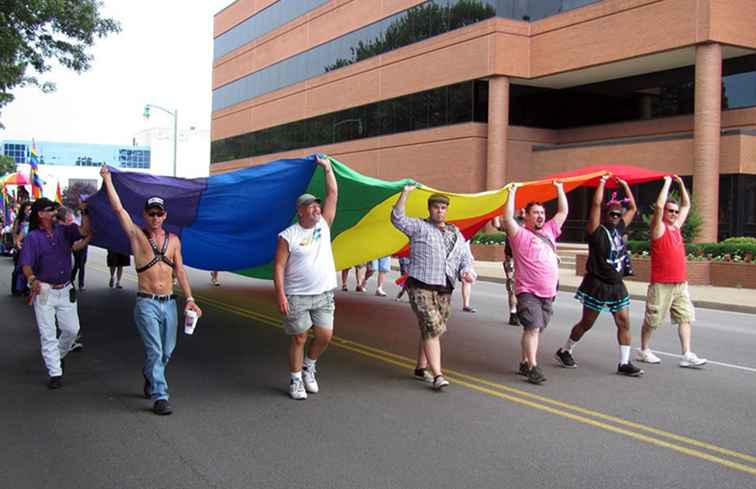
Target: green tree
x=7, y=165
x=72, y=193
x=35, y=32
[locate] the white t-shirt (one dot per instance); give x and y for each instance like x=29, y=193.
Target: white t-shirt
x=310, y=269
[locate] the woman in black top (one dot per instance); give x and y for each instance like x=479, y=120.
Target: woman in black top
x=603, y=288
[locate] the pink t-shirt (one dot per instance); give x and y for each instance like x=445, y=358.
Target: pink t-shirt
x=536, y=265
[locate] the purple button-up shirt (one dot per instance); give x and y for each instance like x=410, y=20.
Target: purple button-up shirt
x=49, y=255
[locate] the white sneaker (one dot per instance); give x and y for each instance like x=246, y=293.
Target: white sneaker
x=310, y=383
x=647, y=356
x=297, y=390
x=439, y=382
x=691, y=360
x=380, y=293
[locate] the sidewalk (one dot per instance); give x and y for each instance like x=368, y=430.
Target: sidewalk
x=704, y=296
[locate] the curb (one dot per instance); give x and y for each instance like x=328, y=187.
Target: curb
x=717, y=306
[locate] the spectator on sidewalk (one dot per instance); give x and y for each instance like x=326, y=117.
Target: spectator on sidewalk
x=438, y=256
x=668, y=289
x=537, y=265
x=603, y=287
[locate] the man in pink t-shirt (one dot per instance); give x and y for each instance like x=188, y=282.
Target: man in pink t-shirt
x=537, y=265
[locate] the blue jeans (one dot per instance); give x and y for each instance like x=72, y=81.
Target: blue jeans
x=157, y=324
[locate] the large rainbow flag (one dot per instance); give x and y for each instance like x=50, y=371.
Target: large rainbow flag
x=231, y=221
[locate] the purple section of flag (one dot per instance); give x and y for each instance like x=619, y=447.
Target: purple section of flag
x=181, y=197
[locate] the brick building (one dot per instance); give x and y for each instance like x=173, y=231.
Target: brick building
x=466, y=95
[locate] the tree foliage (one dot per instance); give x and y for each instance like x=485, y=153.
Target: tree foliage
x=72, y=193
x=33, y=33
x=7, y=165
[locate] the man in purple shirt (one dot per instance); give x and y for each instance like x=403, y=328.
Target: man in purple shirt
x=46, y=262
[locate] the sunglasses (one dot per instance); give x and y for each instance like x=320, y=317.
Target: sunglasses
x=156, y=214
x=615, y=214
x=673, y=211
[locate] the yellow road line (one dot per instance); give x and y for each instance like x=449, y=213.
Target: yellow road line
x=523, y=397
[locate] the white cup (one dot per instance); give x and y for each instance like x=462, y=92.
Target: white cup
x=190, y=321
x=44, y=291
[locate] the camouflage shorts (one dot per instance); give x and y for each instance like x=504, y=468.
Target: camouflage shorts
x=432, y=310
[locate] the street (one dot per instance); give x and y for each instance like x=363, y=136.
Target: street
x=372, y=425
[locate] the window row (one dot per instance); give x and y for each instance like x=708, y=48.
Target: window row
x=16, y=151
x=453, y=104
x=264, y=21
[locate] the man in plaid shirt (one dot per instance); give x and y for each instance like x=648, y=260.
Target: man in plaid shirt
x=438, y=256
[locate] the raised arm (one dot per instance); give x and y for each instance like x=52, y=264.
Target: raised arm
x=183, y=280
x=509, y=222
x=657, y=222
x=331, y=188
x=398, y=218
x=562, y=206
x=685, y=204
x=594, y=217
x=632, y=208
x=115, y=202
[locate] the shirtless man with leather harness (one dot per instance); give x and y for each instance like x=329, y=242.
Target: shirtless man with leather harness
x=157, y=256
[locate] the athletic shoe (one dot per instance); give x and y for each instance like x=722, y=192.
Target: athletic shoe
x=344, y=288
x=629, y=370
x=535, y=376
x=691, y=360
x=647, y=356
x=110, y=284
x=55, y=382
x=297, y=390
x=310, y=383
x=162, y=408
x=514, y=319
x=77, y=346
x=423, y=375
x=439, y=382
x=82, y=288
x=565, y=359
x=469, y=309
x=380, y=293
x=360, y=288
x=118, y=285
x=524, y=369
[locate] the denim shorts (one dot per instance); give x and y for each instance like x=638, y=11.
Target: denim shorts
x=306, y=311
x=381, y=264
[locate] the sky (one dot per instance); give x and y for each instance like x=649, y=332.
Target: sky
x=162, y=56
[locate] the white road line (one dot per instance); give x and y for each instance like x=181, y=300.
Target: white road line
x=747, y=369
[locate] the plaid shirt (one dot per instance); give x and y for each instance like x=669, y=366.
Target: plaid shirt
x=430, y=262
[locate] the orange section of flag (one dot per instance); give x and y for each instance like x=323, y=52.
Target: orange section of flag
x=58, y=195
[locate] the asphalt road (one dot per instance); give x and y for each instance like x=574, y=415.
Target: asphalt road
x=372, y=425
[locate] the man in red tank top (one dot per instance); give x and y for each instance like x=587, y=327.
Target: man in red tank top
x=668, y=290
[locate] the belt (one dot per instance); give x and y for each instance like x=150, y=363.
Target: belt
x=159, y=298
x=60, y=286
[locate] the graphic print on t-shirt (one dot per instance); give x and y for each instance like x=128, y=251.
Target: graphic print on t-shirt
x=311, y=238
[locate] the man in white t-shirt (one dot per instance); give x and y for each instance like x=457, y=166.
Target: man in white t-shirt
x=305, y=276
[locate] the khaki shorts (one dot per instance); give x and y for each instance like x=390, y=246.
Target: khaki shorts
x=672, y=298
x=306, y=311
x=432, y=310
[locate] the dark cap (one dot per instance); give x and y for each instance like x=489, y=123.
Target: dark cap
x=154, y=203
x=306, y=199
x=438, y=198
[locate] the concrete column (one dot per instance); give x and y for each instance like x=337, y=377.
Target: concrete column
x=707, y=127
x=498, y=125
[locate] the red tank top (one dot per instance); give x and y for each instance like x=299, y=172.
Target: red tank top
x=668, y=258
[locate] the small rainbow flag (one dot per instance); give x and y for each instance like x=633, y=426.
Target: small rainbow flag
x=37, y=183
x=58, y=195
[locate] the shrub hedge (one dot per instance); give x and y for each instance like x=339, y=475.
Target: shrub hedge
x=726, y=250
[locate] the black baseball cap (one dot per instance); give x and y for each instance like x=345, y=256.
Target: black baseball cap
x=44, y=204
x=154, y=203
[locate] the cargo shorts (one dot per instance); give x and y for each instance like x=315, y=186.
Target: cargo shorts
x=306, y=311
x=432, y=310
x=668, y=298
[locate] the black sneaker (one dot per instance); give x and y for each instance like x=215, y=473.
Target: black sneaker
x=535, y=376
x=161, y=407
x=630, y=370
x=514, y=319
x=423, y=375
x=147, y=388
x=565, y=359
x=55, y=382
x=524, y=369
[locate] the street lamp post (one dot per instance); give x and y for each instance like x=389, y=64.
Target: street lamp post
x=174, y=114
